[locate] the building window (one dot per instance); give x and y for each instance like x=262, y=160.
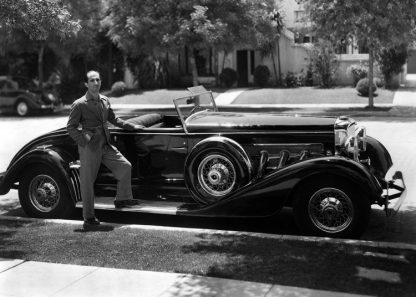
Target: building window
x=299, y=16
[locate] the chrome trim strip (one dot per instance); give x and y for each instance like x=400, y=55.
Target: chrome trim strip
x=286, y=144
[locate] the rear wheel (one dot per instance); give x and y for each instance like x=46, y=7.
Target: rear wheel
x=331, y=208
x=43, y=193
x=22, y=108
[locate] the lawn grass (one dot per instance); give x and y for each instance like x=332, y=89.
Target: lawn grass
x=316, y=265
x=311, y=95
x=159, y=96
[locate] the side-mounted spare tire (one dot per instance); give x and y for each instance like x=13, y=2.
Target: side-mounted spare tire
x=215, y=168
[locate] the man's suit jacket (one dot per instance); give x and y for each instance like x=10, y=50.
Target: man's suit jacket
x=93, y=119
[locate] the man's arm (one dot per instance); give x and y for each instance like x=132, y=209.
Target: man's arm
x=73, y=123
x=121, y=123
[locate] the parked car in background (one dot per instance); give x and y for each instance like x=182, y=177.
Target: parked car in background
x=22, y=96
x=201, y=161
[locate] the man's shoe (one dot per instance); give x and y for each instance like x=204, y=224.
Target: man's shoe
x=125, y=203
x=91, y=222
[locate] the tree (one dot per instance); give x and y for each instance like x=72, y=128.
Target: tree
x=40, y=20
x=269, y=40
x=377, y=23
x=153, y=28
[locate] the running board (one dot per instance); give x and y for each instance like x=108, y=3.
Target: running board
x=145, y=206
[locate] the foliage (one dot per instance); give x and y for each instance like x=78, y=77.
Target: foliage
x=391, y=61
x=152, y=28
x=38, y=18
x=261, y=75
x=150, y=72
x=118, y=89
x=377, y=23
x=292, y=80
x=228, y=77
x=324, y=63
x=357, y=72
x=363, y=86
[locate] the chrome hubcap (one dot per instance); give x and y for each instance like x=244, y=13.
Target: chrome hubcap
x=331, y=210
x=44, y=193
x=22, y=108
x=216, y=175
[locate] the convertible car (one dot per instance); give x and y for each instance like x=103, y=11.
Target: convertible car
x=200, y=161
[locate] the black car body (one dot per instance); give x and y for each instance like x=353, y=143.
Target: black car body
x=205, y=162
x=23, y=96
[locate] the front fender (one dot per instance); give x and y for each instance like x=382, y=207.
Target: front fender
x=267, y=195
x=51, y=156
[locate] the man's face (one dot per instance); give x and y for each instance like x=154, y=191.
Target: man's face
x=94, y=82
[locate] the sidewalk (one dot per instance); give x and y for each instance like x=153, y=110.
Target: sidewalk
x=20, y=279
x=405, y=96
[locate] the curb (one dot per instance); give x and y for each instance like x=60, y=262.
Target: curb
x=299, y=238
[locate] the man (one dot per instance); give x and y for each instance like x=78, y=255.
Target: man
x=92, y=111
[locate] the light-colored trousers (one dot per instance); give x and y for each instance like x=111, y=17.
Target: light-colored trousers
x=91, y=160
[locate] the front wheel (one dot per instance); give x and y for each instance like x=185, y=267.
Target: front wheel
x=43, y=193
x=332, y=209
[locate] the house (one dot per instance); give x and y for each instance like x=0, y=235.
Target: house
x=295, y=44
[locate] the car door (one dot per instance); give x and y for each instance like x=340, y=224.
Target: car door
x=157, y=157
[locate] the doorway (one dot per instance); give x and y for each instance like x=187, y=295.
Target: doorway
x=242, y=68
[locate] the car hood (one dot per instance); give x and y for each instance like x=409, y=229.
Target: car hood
x=231, y=121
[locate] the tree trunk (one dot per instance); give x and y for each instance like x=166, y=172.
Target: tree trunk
x=223, y=60
x=193, y=68
x=41, y=52
x=274, y=67
x=215, y=54
x=110, y=66
x=279, y=62
x=370, y=75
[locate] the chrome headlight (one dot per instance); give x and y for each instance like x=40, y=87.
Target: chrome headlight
x=357, y=142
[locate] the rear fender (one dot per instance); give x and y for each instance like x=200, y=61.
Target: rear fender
x=51, y=156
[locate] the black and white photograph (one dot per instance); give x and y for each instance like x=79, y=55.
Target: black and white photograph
x=199, y=148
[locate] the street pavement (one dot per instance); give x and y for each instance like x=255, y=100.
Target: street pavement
x=29, y=278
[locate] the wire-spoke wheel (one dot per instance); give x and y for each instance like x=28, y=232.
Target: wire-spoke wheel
x=331, y=210
x=44, y=193
x=331, y=207
x=215, y=171
x=217, y=175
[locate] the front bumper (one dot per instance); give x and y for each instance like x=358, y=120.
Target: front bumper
x=395, y=190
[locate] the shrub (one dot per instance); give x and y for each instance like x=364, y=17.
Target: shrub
x=291, y=80
x=118, y=89
x=391, y=62
x=324, y=62
x=378, y=82
x=261, y=75
x=363, y=86
x=228, y=77
x=357, y=72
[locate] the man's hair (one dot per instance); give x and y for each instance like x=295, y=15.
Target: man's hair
x=89, y=73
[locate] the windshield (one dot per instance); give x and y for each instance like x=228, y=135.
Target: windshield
x=198, y=100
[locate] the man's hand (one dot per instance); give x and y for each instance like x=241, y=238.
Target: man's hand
x=138, y=127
